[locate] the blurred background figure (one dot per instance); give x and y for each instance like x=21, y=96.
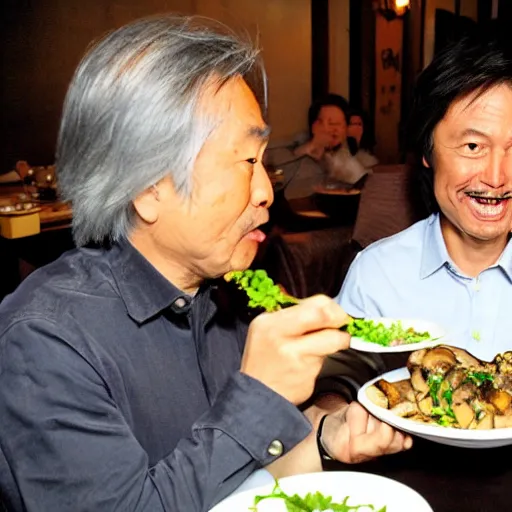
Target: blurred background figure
x=359, y=131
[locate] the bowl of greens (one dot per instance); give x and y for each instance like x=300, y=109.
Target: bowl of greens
x=336, y=491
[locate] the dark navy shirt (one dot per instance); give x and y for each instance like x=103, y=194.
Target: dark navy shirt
x=118, y=392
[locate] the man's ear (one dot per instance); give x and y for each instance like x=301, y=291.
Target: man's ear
x=147, y=205
x=425, y=163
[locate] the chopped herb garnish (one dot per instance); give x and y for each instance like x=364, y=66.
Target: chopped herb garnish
x=479, y=378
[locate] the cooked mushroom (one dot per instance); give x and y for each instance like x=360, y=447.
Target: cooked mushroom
x=416, y=358
x=405, y=409
x=464, y=392
x=405, y=389
x=455, y=377
x=418, y=382
x=465, y=358
x=376, y=396
x=425, y=405
x=439, y=360
x=464, y=414
x=391, y=391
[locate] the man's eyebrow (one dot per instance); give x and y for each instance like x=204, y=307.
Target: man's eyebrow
x=262, y=133
x=472, y=131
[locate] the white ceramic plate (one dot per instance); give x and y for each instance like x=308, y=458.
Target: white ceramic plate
x=437, y=333
x=362, y=488
x=491, y=438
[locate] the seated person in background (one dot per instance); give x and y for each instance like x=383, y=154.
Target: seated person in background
x=359, y=130
x=124, y=382
x=328, y=143
x=455, y=267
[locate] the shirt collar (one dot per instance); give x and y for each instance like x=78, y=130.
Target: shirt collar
x=505, y=261
x=434, y=254
x=144, y=291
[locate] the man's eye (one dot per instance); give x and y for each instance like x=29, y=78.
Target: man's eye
x=252, y=161
x=473, y=149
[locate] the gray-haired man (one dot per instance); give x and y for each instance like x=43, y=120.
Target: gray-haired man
x=124, y=384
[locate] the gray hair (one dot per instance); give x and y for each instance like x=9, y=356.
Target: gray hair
x=130, y=116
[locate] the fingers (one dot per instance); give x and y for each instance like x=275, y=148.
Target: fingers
x=370, y=438
x=322, y=343
x=312, y=314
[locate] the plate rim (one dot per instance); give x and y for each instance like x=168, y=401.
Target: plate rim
x=334, y=474
x=496, y=434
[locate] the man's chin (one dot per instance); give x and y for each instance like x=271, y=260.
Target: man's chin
x=244, y=254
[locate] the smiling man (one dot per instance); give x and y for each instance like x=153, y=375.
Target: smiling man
x=454, y=268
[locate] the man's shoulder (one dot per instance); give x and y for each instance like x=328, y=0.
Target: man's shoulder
x=403, y=246
x=60, y=288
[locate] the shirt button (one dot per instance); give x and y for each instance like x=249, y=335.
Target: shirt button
x=180, y=302
x=275, y=448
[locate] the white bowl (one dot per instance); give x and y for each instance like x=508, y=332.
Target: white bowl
x=362, y=488
x=463, y=438
x=437, y=335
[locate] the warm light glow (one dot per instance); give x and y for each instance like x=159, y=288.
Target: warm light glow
x=402, y=3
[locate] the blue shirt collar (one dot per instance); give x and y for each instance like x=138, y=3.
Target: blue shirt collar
x=435, y=254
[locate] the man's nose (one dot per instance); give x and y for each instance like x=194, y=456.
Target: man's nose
x=496, y=172
x=262, y=193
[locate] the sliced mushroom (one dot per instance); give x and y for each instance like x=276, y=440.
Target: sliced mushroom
x=439, y=360
x=465, y=392
x=418, y=382
x=391, y=391
x=464, y=414
x=425, y=406
x=405, y=389
x=405, y=409
x=455, y=377
x=464, y=358
x=376, y=396
x=416, y=358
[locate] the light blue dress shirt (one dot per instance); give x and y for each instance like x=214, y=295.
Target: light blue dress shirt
x=410, y=275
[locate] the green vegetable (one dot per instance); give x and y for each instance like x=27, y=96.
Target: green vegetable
x=479, y=378
x=311, y=502
x=437, y=385
x=374, y=332
x=260, y=289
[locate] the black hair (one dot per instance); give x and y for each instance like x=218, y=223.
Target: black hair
x=475, y=63
x=367, y=139
x=330, y=100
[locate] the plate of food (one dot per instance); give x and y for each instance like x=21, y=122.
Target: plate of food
x=448, y=396
x=393, y=335
x=343, y=491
